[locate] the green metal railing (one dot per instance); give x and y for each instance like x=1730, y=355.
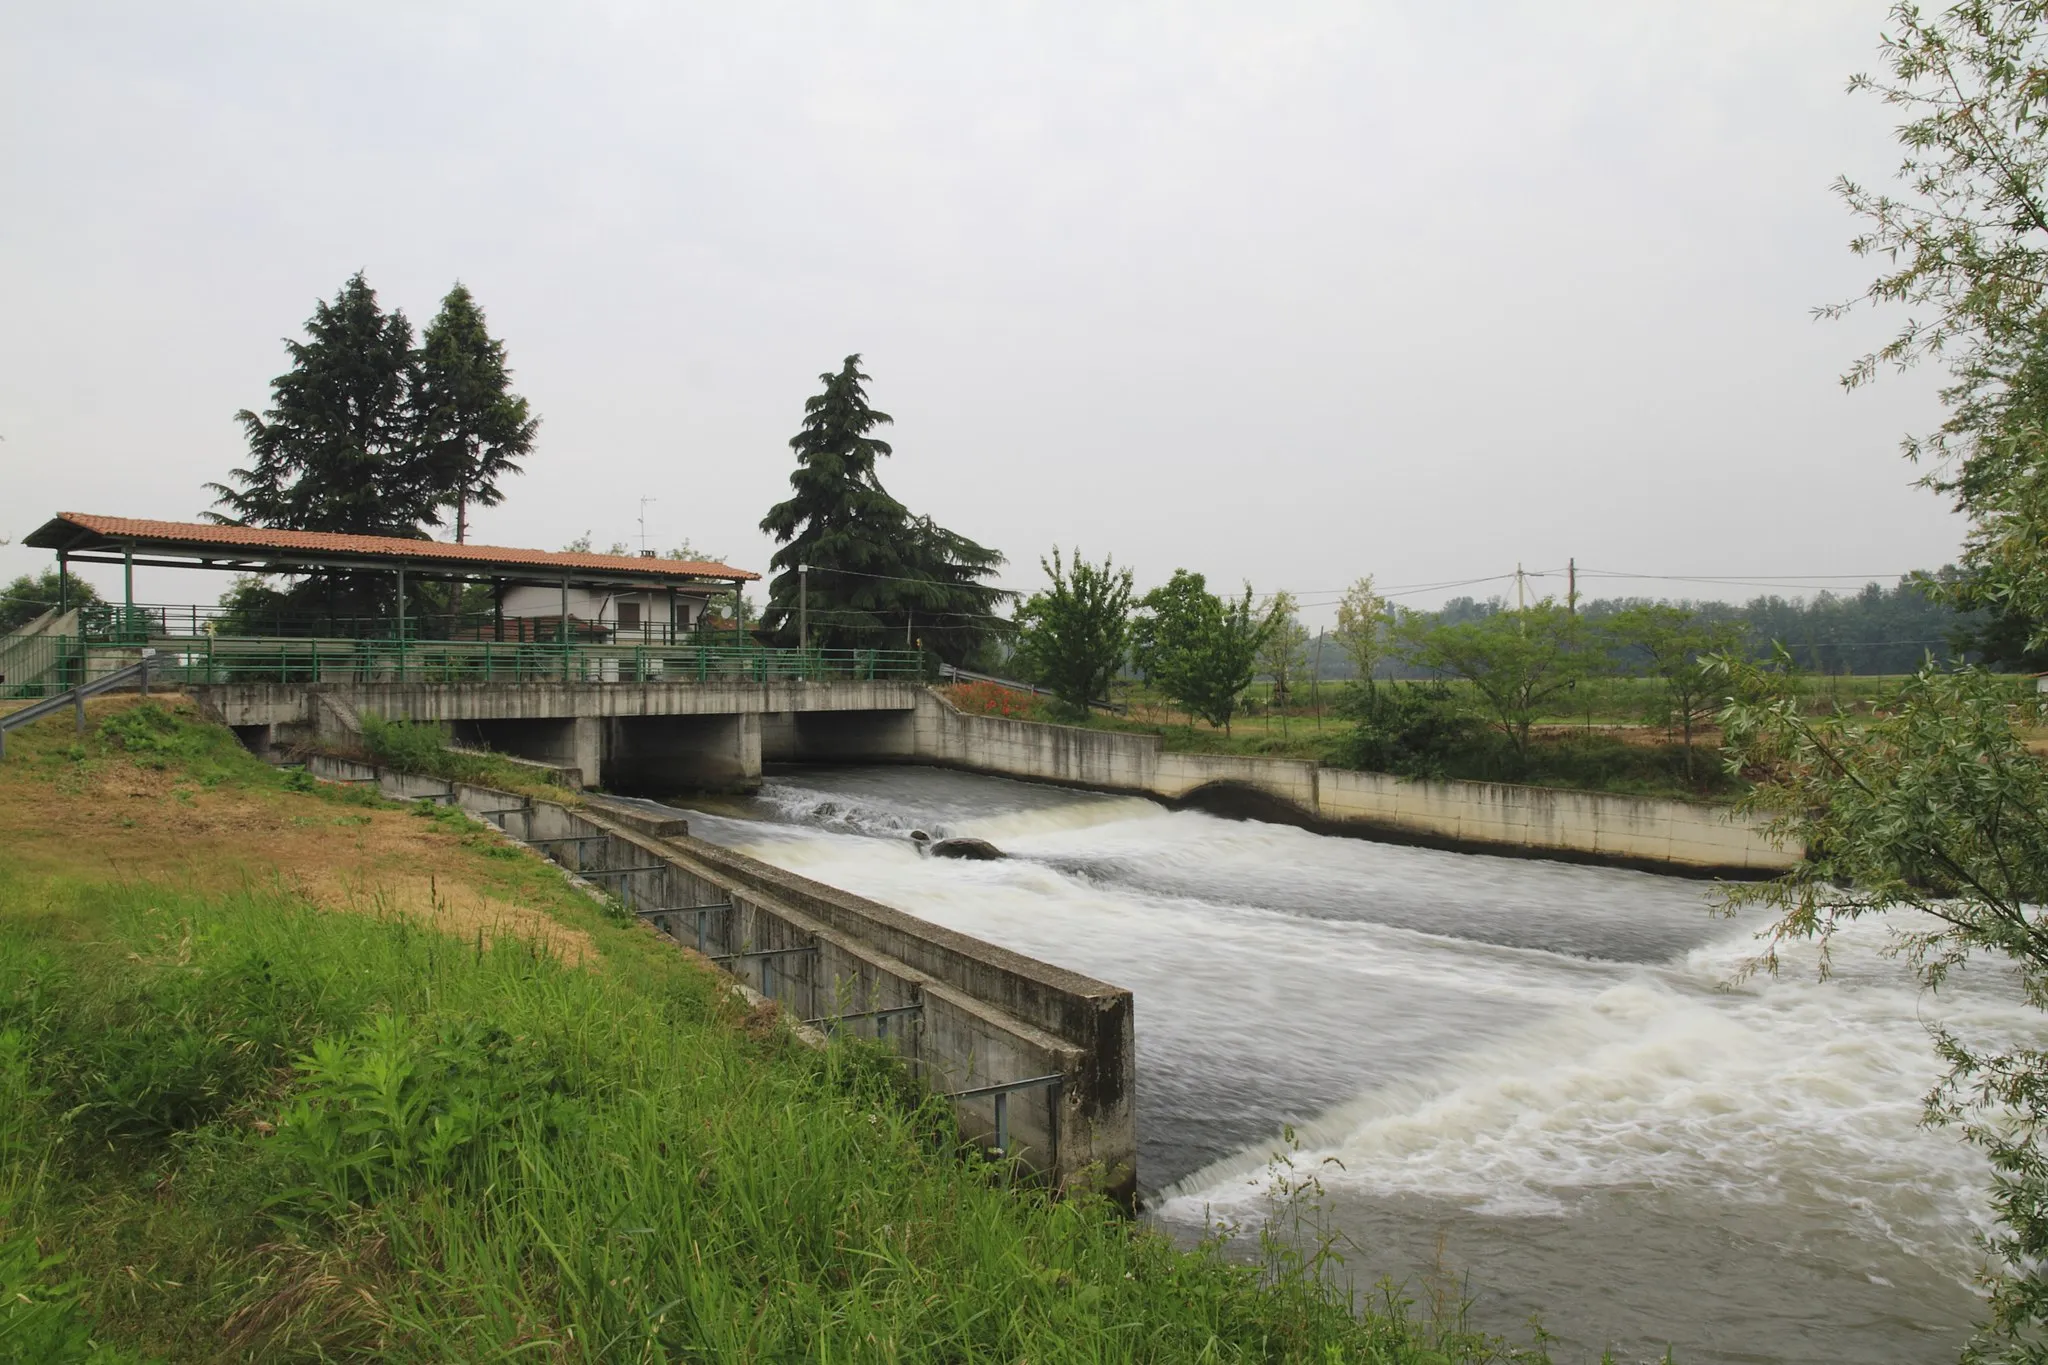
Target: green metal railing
x=46, y=666
x=222, y=659
x=113, y=623
x=40, y=665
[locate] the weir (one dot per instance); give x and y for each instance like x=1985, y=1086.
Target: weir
x=1546, y=1080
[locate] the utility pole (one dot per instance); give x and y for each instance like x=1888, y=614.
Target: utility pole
x=1315, y=686
x=803, y=607
x=1521, y=598
x=1571, y=588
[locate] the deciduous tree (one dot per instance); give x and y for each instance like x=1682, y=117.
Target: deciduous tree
x=1198, y=649
x=1283, y=656
x=1935, y=805
x=1361, y=627
x=29, y=596
x=1076, y=633
x=1515, y=660
x=1676, y=645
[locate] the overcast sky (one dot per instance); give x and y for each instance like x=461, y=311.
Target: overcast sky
x=1290, y=293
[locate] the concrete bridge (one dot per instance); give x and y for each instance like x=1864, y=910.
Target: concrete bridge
x=709, y=735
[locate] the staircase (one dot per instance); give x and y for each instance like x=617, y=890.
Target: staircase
x=34, y=659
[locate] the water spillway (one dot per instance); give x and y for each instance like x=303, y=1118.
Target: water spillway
x=1540, y=1082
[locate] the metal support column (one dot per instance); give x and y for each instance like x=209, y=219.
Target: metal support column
x=127, y=591
x=63, y=582
x=401, y=623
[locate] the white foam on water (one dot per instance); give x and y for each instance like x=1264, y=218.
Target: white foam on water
x=1515, y=1038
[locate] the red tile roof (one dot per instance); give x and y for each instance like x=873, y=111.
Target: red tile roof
x=189, y=537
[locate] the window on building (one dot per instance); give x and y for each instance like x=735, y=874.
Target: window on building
x=629, y=616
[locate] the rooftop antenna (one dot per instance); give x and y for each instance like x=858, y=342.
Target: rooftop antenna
x=643, y=524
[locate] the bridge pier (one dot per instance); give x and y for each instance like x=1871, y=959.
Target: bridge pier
x=572, y=741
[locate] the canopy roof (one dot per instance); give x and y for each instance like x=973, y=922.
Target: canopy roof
x=257, y=549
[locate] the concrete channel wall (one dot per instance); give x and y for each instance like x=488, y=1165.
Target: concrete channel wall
x=1669, y=836
x=979, y=1015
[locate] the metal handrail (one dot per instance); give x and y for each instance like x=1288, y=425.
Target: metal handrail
x=1001, y=1092
x=136, y=672
x=217, y=658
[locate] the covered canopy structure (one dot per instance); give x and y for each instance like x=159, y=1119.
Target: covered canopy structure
x=570, y=577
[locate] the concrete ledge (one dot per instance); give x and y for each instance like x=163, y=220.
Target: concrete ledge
x=985, y=1015
x=286, y=703
x=1543, y=822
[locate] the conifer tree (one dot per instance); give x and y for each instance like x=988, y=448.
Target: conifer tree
x=880, y=577
x=337, y=449
x=473, y=430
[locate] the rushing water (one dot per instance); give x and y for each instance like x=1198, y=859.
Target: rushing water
x=1534, y=1078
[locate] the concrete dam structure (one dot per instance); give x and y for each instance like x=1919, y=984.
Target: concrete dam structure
x=717, y=735
x=1038, y=1061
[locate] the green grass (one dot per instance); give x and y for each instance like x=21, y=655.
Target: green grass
x=237, y=1127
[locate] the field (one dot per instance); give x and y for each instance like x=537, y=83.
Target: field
x=288, y=1072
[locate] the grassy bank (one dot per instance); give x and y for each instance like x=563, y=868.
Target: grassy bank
x=1605, y=735
x=290, y=1073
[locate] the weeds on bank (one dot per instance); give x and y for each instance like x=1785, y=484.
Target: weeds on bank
x=278, y=1134
x=422, y=747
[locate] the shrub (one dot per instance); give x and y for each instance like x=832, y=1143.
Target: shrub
x=993, y=699
x=408, y=746
x=1412, y=729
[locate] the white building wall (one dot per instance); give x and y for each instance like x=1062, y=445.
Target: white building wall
x=596, y=604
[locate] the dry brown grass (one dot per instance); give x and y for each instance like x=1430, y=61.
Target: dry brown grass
x=111, y=815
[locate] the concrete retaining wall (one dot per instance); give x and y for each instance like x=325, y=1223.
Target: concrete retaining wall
x=984, y=1016
x=1672, y=836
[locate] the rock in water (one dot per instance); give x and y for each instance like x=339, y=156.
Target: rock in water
x=977, y=850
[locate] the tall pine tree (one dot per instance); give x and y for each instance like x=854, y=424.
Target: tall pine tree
x=337, y=450
x=880, y=576
x=473, y=430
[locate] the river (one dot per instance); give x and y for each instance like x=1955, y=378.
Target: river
x=1537, y=1084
